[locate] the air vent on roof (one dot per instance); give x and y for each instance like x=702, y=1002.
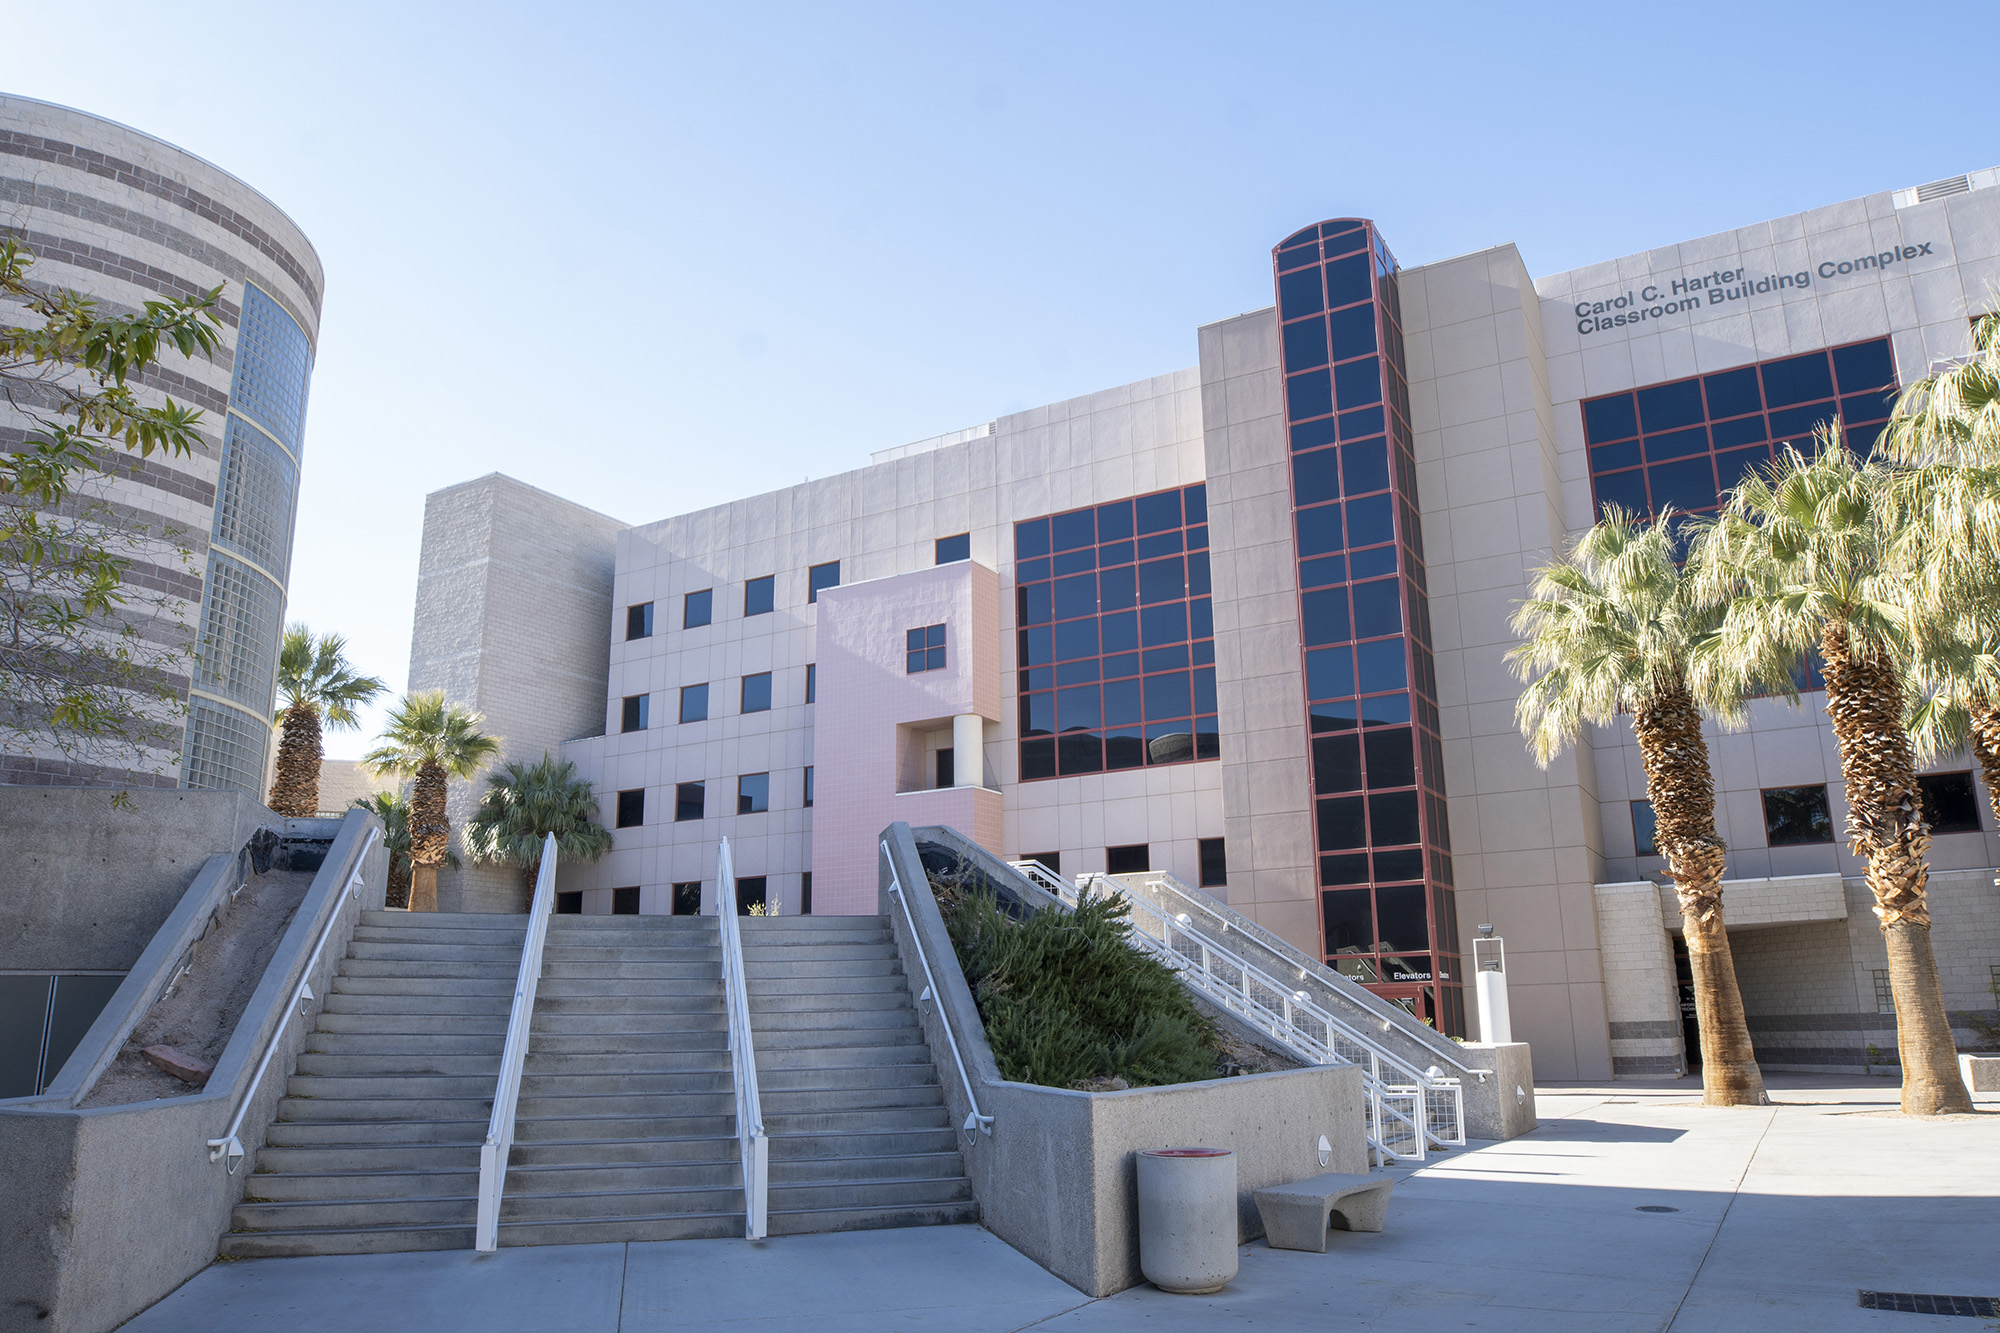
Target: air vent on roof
x=1944, y=189
x=1939, y=189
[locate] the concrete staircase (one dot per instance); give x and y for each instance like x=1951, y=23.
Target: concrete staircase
x=626, y=1124
x=859, y=1133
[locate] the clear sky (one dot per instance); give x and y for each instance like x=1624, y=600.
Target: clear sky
x=655, y=257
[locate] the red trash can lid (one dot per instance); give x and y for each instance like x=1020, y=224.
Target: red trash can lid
x=1185, y=1152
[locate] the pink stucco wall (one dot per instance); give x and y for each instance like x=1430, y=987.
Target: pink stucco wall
x=865, y=695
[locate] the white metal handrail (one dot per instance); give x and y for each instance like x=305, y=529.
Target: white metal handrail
x=751, y=1142
x=499, y=1144
x=975, y=1119
x=229, y=1147
x=1435, y=1102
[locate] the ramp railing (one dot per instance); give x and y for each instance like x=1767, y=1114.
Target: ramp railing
x=751, y=1142
x=499, y=1144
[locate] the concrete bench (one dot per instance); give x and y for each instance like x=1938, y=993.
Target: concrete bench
x=1296, y=1216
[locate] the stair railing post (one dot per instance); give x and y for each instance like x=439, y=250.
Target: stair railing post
x=499, y=1144
x=751, y=1142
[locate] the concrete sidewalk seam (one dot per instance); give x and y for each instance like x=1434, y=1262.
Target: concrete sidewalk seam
x=1720, y=1222
x=1037, y=1323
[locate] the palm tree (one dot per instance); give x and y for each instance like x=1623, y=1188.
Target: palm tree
x=315, y=683
x=433, y=742
x=394, y=812
x=523, y=804
x=1615, y=629
x=1806, y=557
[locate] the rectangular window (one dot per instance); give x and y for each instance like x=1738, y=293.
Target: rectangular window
x=923, y=649
x=697, y=608
x=569, y=904
x=1214, y=863
x=625, y=902
x=812, y=681
x=1131, y=860
x=749, y=894
x=687, y=898
x=632, y=808
x=637, y=706
x=809, y=786
x=951, y=550
x=1885, y=994
x=947, y=769
x=757, y=693
x=760, y=595
x=694, y=703
x=1053, y=860
x=806, y=894
x=821, y=577
x=639, y=621
x=1951, y=802
x=690, y=800
x=753, y=793
x=1643, y=828
x=1796, y=816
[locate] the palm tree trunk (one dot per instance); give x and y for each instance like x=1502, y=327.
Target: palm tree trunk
x=295, y=784
x=1682, y=789
x=1885, y=822
x=398, y=892
x=430, y=835
x=1986, y=747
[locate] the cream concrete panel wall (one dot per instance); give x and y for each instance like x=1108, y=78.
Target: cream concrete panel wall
x=1266, y=770
x=513, y=619
x=1525, y=841
x=1641, y=995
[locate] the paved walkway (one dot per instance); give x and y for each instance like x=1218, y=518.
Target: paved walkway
x=1781, y=1214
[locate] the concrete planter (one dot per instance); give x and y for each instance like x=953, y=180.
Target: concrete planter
x=1187, y=1218
x=1980, y=1072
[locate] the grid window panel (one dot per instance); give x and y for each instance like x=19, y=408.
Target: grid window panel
x=694, y=703
x=631, y=810
x=924, y=649
x=951, y=550
x=753, y=793
x=635, y=713
x=697, y=608
x=639, y=621
x=1885, y=994
x=757, y=692
x=1687, y=442
x=821, y=577
x=242, y=616
x=760, y=595
x=273, y=368
x=255, y=498
x=225, y=749
x=690, y=800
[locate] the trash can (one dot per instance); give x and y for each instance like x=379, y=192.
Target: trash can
x=1187, y=1218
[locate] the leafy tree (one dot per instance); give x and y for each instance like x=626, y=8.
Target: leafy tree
x=394, y=812
x=431, y=741
x=1615, y=628
x=90, y=668
x=1806, y=558
x=315, y=682
x=523, y=804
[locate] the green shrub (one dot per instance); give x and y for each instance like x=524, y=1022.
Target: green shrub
x=1066, y=998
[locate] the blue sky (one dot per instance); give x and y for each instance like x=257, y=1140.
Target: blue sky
x=654, y=257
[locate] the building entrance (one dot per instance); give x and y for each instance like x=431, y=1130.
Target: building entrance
x=1684, y=991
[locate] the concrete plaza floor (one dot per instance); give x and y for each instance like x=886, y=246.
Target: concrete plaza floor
x=1781, y=1215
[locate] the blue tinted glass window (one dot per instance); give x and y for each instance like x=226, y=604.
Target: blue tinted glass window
x=1627, y=490
x=1076, y=638
x=1197, y=574
x=1115, y=553
x=1744, y=430
x=1038, y=759
x=1365, y=465
x=1117, y=589
x=1077, y=709
x=273, y=368
x=1344, y=870
x=951, y=550
x=697, y=608
x=1038, y=714
x=1378, y=608
x=1308, y=234
x=1351, y=332
x=1032, y=604
x=1733, y=392
x=1344, y=238
x=1392, y=819
x=759, y=595
x=1166, y=623
x=1355, y=425
x=1676, y=444
x=1076, y=596
x=1069, y=531
x=1797, y=379
x=1036, y=646
x=1341, y=823
x=757, y=693
x=1315, y=477
x=1305, y=344
x=1607, y=419
x=1867, y=365
x=1204, y=690
x=1734, y=468
x=1400, y=915
x=694, y=703
x=1122, y=664
x=1370, y=521
x=1298, y=255
x=1194, y=503
x=1347, y=281
x=1162, y=580
x=1349, y=917
x=1385, y=710
x=1330, y=673
x=1157, y=513
x=1358, y=383
x=1031, y=538
x=1167, y=696
x=1032, y=571
x=1080, y=672
x=1861, y=439
x=1336, y=764
x=1071, y=562
x=1312, y=434
x=1610, y=457
x=1167, y=659
x=821, y=577
x=1319, y=530
x=1686, y=485
x=1384, y=665
x=1197, y=538
x=1299, y=293
x=1323, y=616
x=1868, y=406
x=1121, y=703
x=1114, y=521
x=1392, y=762
x=1332, y=715
x=1308, y=395
x=1080, y=752
x=1667, y=406
x=1201, y=619
x=753, y=793
x=1371, y=563
x=1326, y=569
x=1160, y=543
x=1120, y=632
x=1798, y=423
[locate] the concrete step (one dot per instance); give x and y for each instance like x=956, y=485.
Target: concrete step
x=427, y=935
x=802, y=1222
x=811, y=950
x=347, y=1186
x=590, y=1206
x=606, y=1230
x=445, y=920
x=848, y=1099
x=860, y=1143
x=600, y=985
x=547, y=1064
x=431, y=970
x=422, y=955
x=646, y=972
x=552, y=1041
x=358, y=1213
x=624, y=1127
x=654, y=923
x=824, y=1001
x=829, y=985
x=391, y=1087
x=346, y=1041
x=610, y=1152
x=802, y=1123
x=759, y=927
x=856, y=1194
x=365, y=1022
x=760, y=971
x=304, y=1132
x=689, y=952
x=628, y=1103
x=483, y=988
x=375, y=1067
x=802, y=1020
x=549, y=1180
x=432, y=1008
x=363, y=1110
x=905, y=1047
x=603, y=1021
x=365, y=1240
x=845, y=1078
x=774, y=1040
x=894, y=1166
x=626, y=1084
x=379, y=1159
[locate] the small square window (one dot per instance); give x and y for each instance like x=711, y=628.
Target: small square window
x=697, y=608
x=569, y=904
x=690, y=800
x=634, y=716
x=749, y=893
x=924, y=649
x=809, y=786
x=625, y=902
x=1131, y=860
x=1053, y=860
x=1214, y=863
x=757, y=693
x=821, y=577
x=639, y=621
x=694, y=703
x=753, y=793
x=687, y=898
x=760, y=595
x=1643, y=828
x=1796, y=816
x=1885, y=994
x=1951, y=803
x=632, y=808
x=951, y=550
x=812, y=681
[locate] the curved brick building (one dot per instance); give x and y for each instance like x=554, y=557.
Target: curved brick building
x=129, y=218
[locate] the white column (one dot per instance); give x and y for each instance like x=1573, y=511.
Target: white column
x=968, y=750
